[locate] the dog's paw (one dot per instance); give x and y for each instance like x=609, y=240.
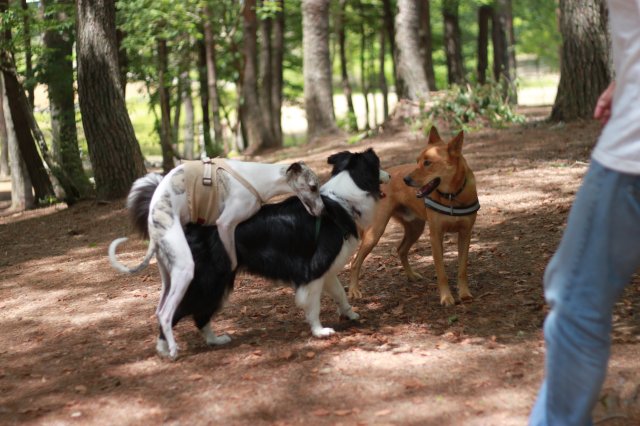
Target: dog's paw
x=353, y=316
x=162, y=348
x=413, y=276
x=466, y=295
x=447, y=300
x=354, y=293
x=323, y=332
x=218, y=340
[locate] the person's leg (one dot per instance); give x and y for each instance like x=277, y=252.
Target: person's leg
x=595, y=260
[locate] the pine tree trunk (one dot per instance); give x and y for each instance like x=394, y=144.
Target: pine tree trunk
x=28, y=54
x=585, y=63
x=504, y=66
x=252, y=121
x=410, y=61
x=426, y=42
x=4, y=138
x=346, y=85
x=266, y=80
x=165, y=107
x=485, y=16
x=114, y=151
x=383, y=78
x=57, y=69
x=21, y=194
x=187, y=102
x=390, y=28
x=204, y=100
x=277, y=74
x=363, y=77
x=212, y=79
x=318, y=92
x=453, y=42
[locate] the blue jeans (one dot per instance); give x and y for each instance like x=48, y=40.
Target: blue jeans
x=598, y=254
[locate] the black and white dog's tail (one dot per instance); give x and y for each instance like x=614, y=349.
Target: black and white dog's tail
x=138, y=202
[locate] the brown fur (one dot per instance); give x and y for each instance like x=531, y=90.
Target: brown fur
x=401, y=203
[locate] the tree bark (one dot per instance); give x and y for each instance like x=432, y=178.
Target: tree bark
x=364, y=75
x=383, y=78
x=113, y=149
x=5, y=171
x=57, y=72
x=266, y=81
x=28, y=54
x=21, y=194
x=426, y=42
x=278, y=47
x=187, y=102
x=504, y=62
x=585, y=62
x=485, y=16
x=207, y=142
x=352, y=122
x=165, y=107
x=212, y=79
x=318, y=92
x=252, y=119
x=410, y=60
x=453, y=42
x=390, y=28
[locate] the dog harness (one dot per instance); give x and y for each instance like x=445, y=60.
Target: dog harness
x=450, y=210
x=202, y=188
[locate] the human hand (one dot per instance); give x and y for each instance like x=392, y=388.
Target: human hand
x=603, y=106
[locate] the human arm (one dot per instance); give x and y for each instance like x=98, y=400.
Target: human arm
x=602, y=111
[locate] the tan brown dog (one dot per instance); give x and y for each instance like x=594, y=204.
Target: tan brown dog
x=446, y=198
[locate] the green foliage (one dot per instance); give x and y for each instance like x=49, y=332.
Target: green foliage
x=469, y=107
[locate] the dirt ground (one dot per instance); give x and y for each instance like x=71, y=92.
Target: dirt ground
x=77, y=338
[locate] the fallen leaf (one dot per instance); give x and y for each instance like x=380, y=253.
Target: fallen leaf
x=382, y=413
x=310, y=355
x=342, y=412
x=321, y=412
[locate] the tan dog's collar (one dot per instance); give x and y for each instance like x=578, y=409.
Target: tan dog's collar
x=450, y=210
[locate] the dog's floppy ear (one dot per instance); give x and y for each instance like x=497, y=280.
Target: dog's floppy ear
x=455, y=146
x=434, y=136
x=295, y=168
x=339, y=161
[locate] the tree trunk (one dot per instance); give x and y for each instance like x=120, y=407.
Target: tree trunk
x=165, y=107
x=390, y=29
x=114, y=151
x=57, y=69
x=504, y=65
x=363, y=75
x=352, y=122
x=4, y=138
x=187, y=102
x=21, y=195
x=204, y=100
x=410, y=61
x=252, y=119
x=277, y=74
x=212, y=79
x=28, y=54
x=426, y=42
x=266, y=80
x=453, y=42
x=318, y=92
x=383, y=79
x=585, y=63
x=485, y=16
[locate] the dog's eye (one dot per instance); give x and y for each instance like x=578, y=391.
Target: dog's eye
x=426, y=163
x=313, y=188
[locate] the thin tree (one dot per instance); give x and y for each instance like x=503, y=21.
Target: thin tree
x=340, y=24
x=504, y=60
x=212, y=77
x=318, y=91
x=113, y=149
x=426, y=42
x=252, y=121
x=165, y=105
x=277, y=71
x=203, y=89
x=485, y=16
x=4, y=140
x=453, y=42
x=28, y=52
x=390, y=28
x=409, y=57
x=585, y=62
x=57, y=71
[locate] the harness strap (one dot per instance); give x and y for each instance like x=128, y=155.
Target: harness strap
x=450, y=210
x=450, y=196
x=221, y=164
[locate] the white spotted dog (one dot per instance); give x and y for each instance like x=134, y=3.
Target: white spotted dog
x=220, y=192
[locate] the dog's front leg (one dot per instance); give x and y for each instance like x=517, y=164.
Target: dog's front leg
x=464, y=239
x=437, y=249
x=308, y=298
x=334, y=288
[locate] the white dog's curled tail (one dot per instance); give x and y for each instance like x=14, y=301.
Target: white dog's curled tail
x=122, y=267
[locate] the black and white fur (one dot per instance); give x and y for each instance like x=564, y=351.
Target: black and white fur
x=283, y=242
x=164, y=203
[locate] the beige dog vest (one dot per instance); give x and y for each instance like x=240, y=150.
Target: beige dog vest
x=202, y=187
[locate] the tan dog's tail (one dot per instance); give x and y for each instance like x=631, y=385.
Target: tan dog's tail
x=121, y=266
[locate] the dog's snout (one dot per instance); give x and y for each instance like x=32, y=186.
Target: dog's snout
x=384, y=176
x=408, y=180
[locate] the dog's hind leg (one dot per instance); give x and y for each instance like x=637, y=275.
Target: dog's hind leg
x=464, y=239
x=333, y=288
x=308, y=298
x=211, y=338
x=161, y=344
x=412, y=231
x=176, y=255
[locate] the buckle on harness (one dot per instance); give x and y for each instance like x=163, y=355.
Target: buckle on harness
x=207, y=178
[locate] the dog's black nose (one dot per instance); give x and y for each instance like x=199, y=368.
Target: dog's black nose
x=408, y=180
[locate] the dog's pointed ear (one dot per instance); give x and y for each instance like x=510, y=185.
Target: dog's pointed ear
x=455, y=146
x=434, y=136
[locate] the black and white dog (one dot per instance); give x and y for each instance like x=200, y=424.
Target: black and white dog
x=285, y=243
